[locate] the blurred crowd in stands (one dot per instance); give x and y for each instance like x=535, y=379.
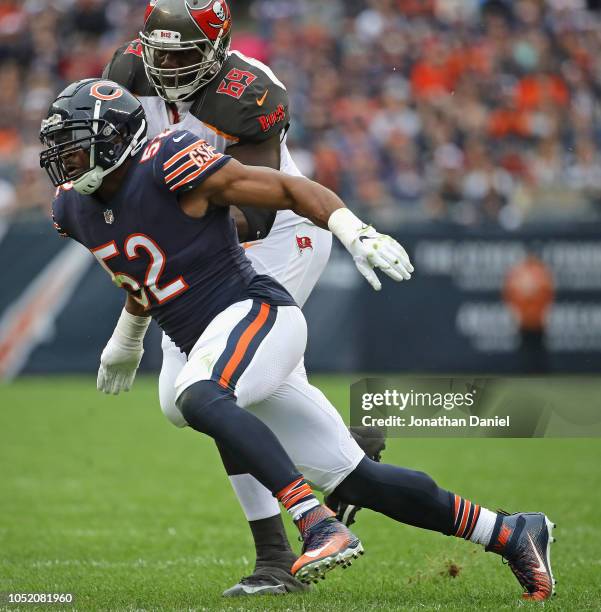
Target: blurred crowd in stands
x=469, y=111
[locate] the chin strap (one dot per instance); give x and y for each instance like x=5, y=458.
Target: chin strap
x=91, y=181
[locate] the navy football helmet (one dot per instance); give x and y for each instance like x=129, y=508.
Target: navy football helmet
x=96, y=116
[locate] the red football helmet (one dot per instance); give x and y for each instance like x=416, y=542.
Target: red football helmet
x=184, y=44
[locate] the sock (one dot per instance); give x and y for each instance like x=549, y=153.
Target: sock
x=465, y=516
x=472, y=522
x=483, y=531
x=262, y=512
x=271, y=543
x=297, y=498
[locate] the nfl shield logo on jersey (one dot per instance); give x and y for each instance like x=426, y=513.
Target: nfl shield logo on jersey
x=109, y=217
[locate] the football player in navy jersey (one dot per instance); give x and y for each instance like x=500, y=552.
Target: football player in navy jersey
x=186, y=77
x=156, y=217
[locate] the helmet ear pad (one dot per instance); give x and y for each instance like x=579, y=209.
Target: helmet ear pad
x=112, y=150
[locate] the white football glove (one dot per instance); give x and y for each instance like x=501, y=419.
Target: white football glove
x=370, y=249
x=121, y=356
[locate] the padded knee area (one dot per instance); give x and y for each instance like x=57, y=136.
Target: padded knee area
x=199, y=406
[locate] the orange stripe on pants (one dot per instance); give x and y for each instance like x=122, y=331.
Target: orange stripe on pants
x=245, y=339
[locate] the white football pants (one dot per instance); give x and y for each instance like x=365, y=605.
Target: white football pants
x=308, y=426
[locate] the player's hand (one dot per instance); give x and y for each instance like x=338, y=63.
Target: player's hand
x=121, y=356
x=118, y=367
x=371, y=250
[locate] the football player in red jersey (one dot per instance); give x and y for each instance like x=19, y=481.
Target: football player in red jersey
x=186, y=77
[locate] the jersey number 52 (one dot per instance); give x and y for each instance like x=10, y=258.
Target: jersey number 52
x=134, y=244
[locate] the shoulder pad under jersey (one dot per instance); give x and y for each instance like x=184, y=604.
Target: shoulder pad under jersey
x=181, y=160
x=127, y=68
x=245, y=101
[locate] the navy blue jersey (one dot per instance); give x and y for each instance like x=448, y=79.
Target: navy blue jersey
x=185, y=270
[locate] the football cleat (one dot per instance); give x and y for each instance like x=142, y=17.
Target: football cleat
x=327, y=544
x=372, y=441
x=524, y=540
x=266, y=581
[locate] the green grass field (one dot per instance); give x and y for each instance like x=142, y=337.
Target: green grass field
x=101, y=497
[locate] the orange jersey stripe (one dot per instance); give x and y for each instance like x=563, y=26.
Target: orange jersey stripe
x=249, y=333
x=181, y=154
x=249, y=245
x=179, y=170
x=196, y=173
x=234, y=139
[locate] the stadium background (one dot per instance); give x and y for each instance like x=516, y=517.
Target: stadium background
x=468, y=129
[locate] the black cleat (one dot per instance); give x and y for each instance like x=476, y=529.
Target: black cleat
x=372, y=441
x=524, y=541
x=266, y=581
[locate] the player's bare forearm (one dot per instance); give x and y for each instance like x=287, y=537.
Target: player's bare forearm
x=312, y=200
x=266, y=188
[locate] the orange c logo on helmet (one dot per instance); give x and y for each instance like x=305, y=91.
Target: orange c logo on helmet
x=95, y=91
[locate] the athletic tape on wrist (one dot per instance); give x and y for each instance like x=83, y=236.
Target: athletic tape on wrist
x=345, y=225
x=132, y=327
